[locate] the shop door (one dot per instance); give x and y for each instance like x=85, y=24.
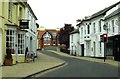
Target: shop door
x=82, y=50
x=116, y=48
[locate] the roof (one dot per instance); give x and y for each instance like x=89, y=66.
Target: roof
x=113, y=13
x=101, y=12
x=31, y=11
x=75, y=31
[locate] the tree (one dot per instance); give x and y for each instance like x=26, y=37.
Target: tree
x=64, y=34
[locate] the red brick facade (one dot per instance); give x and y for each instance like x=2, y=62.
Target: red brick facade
x=48, y=37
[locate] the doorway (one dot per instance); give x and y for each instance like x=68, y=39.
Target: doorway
x=82, y=50
x=116, y=47
x=94, y=48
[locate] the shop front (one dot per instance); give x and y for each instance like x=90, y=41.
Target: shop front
x=113, y=47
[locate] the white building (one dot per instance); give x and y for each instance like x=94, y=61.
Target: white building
x=90, y=30
x=92, y=27
x=31, y=32
x=74, y=42
x=112, y=22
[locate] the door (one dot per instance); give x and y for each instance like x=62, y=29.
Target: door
x=0, y=47
x=116, y=48
x=94, y=48
x=82, y=50
x=88, y=48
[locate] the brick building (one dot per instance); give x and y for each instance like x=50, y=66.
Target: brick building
x=47, y=37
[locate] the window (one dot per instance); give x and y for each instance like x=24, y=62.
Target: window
x=72, y=38
x=88, y=28
x=20, y=13
x=28, y=14
x=107, y=26
x=81, y=32
x=100, y=47
x=113, y=26
x=85, y=30
x=54, y=34
x=94, y=27
x=21, y=47
x=99, y=26
x=10, y=38
x=10, y=10
x=47, y=38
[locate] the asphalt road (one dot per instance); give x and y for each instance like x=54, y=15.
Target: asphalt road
x=81, y=68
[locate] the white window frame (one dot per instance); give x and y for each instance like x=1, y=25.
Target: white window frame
x=47, y=38
x=100, y=26
x=21, y=43
x=10, y=40
x=94, y=28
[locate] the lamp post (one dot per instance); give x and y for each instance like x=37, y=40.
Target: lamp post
x=105, y=39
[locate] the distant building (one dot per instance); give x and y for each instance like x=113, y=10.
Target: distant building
x=47, y=37
x=74, y=43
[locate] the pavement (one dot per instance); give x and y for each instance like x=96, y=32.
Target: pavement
x=43, y=63
x=97, y=60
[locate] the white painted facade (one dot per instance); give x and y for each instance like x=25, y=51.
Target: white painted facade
x=31, y=34
x=113, y=22
x=96, y=46
x=74, y=44
x=90, y=31
x=91, y=28
x=81, y=38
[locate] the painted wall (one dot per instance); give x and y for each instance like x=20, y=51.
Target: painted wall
x=31, y=34
x=91, y=40
x=113, y=28
x=0, y=47
x=74, y=44
x=3, y=20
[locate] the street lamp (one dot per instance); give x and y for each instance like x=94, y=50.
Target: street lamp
x=104, y=37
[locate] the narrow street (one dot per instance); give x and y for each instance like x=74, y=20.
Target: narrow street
x=81, y=68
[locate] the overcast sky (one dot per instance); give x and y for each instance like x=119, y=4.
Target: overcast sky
x=54, y=13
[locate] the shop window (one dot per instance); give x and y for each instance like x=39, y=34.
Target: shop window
x=10, y=41
x=21, y=46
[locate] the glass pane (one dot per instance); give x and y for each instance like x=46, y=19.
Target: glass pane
x=7, y=44
x=10, y=38
x=7, y=32
x=7, y=38
x=18, y=35
x=10, y=32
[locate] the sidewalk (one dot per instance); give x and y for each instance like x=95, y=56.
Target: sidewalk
x=107, y=61
x=42, y=62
